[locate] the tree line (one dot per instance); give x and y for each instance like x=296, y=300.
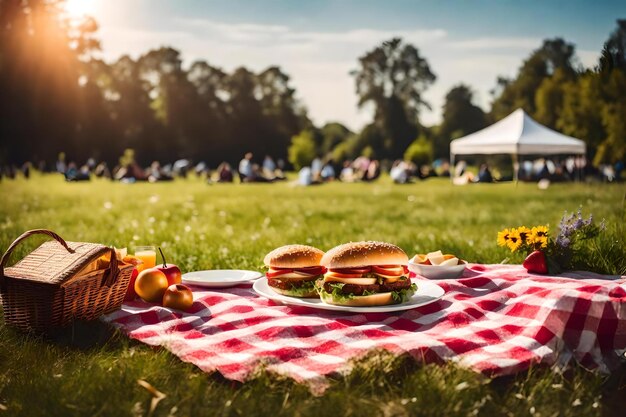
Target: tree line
x=56, y=96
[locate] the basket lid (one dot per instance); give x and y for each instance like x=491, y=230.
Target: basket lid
x=53, y=264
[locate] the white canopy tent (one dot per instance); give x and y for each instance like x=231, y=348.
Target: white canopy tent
x=517, y=134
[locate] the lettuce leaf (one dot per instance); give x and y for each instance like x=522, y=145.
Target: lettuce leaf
x=306, y=288
x=404, y=295
x=399, y=296
x=336, y=294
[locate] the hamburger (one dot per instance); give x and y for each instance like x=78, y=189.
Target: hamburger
x=293, y=270
x=365, y=274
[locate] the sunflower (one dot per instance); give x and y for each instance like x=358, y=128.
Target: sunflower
x=539, y=242
x=540, y=231
x=515, y=241
x=524, y=233
x=539, y=237
x=503, y=237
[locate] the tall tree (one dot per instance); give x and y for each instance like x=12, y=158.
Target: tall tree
x=332, y=135
x=614, y=53
x=245, y=113
x=460, y=117
x=128, y=97
x=393, y=78
x=210, y=118
x=284, y=115
x=174, y=101
x=595, y=104
x=555, y=55
x=39, y=74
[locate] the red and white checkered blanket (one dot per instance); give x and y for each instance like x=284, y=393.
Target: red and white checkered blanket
x=497, y=319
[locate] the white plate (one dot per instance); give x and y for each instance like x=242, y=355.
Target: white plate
x=427, y=292
x=220, y=278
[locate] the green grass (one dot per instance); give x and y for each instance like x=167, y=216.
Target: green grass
x=95, y=370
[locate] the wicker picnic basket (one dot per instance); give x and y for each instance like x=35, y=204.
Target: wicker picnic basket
x=59, y=282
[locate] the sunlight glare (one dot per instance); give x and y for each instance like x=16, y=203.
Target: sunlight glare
x=80, y=8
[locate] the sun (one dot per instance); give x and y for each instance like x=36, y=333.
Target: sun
x=80, y=8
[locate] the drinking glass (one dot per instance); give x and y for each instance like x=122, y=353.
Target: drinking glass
x=147, y=254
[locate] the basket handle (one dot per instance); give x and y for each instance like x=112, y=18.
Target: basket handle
x=114, y=271
x=16, y=242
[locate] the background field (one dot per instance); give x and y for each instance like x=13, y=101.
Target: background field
x=94, y=370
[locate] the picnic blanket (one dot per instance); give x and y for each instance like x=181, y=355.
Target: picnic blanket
x=495, y=319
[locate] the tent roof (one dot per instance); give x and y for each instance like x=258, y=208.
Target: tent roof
x=517, y=134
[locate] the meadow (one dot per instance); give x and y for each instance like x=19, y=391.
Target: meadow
x=93, y=370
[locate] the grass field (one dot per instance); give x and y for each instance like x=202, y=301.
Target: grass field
x=201, y=226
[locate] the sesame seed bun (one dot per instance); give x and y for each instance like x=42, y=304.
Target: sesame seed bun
x=356, y=254
x=380, y=299
x=291, y=293
x=293, y=256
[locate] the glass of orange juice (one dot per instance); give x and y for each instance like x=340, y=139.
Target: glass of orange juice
x=147, y=254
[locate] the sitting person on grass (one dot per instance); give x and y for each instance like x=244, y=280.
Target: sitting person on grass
x=270, y=170
x=73, y=174
x=306, y=177
x=328, y=172
x=224, y=172
x=484, y=174
x=400, y=172
x=245, y=168
x=156, y=173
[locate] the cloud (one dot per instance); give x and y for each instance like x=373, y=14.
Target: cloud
x=497, y=43
x=588, y=58
x=117, y=41
x=319, y=62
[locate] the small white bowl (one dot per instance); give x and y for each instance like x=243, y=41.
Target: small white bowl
x=437, y=271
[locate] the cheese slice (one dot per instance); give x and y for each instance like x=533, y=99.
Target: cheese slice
x=435, y=258
x=450, y=262
x=356, y=281
x=294, y=275
x=390, y=278
x=419, y=258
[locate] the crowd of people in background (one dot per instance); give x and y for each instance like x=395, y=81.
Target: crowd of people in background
x=321, y=171
x=361, y=169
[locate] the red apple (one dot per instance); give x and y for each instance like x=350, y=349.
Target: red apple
x=536, y=263
x=171, y=271
x=130, y=291
x=178, y=296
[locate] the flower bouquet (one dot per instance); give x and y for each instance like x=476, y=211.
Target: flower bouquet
x=546, y=255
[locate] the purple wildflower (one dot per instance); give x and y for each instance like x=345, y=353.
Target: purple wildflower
x=563, y=241
x=578, y=223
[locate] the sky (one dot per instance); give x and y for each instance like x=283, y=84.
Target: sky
x=318, y=42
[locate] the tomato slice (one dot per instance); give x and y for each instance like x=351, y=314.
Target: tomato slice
x=278, y=272
x=311, y=270
x=395, y=270
x=361, y=270
x=338, y=275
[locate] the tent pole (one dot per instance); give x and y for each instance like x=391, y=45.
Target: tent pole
x=515, y=168
x=452, y=167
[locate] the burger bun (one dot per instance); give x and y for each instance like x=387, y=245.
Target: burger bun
x=380, y=299
x=358, y=254
x=293, y=256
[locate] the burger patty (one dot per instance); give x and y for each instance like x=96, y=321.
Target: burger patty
x=373, y=288
x=288, y=284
